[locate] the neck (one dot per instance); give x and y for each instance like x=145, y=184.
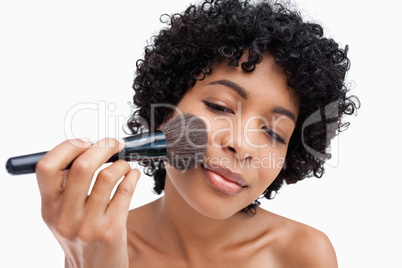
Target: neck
x=188, y=231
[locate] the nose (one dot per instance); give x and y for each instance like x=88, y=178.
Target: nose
x=239, y=143
x=240, y=156
x=241, y=151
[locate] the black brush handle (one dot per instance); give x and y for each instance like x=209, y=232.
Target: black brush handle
x=23, y=164
x=138, y=147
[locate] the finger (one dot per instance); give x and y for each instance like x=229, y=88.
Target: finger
x=83, y=170
x=104, y=185
x=49, y=170
x=120, y=203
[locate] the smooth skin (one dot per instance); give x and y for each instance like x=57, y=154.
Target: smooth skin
x=193, y=224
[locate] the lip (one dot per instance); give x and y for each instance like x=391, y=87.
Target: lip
x=224, y=179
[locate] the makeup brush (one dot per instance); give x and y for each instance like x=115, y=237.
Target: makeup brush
x=181, y=142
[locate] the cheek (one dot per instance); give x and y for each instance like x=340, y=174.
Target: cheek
x=185, y=184
x=190, y=189
x=269, y=164
x=179, y=179
x=271, y=161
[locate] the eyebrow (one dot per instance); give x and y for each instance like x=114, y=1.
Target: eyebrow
x=244, y=94
x=285, y=112
x=238, y=89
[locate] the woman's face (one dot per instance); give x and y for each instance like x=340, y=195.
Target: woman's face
x=250, y=118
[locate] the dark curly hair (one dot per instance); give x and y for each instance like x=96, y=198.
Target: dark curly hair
x=222, y=31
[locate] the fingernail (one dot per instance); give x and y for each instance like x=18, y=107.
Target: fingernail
x=85, y=139
x=122, y=143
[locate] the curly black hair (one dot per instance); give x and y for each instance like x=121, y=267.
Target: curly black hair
x=223, y=31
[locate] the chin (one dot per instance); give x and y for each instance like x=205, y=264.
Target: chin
x=214, y=211
x=214, y=205
x=200, y=197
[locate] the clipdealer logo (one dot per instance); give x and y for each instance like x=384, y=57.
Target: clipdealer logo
x=110, y=123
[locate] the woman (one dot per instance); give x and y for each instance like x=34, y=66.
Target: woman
x=257, y=74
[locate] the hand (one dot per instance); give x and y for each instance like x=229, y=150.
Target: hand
x=90, y=228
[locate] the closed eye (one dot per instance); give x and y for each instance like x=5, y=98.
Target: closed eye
x=275, y=136
x=217, y=107
x=222, y=109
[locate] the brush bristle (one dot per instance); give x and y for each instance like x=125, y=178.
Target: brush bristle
x=186, y=140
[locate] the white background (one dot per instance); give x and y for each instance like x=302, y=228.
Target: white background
x=55, y=55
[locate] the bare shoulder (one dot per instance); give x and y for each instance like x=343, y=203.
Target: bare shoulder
x=141, y=235
x=298, y=245
x=140, y=217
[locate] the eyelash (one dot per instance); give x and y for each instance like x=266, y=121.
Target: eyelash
x=218, y=107
x=275, y=136
x=222, y=109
